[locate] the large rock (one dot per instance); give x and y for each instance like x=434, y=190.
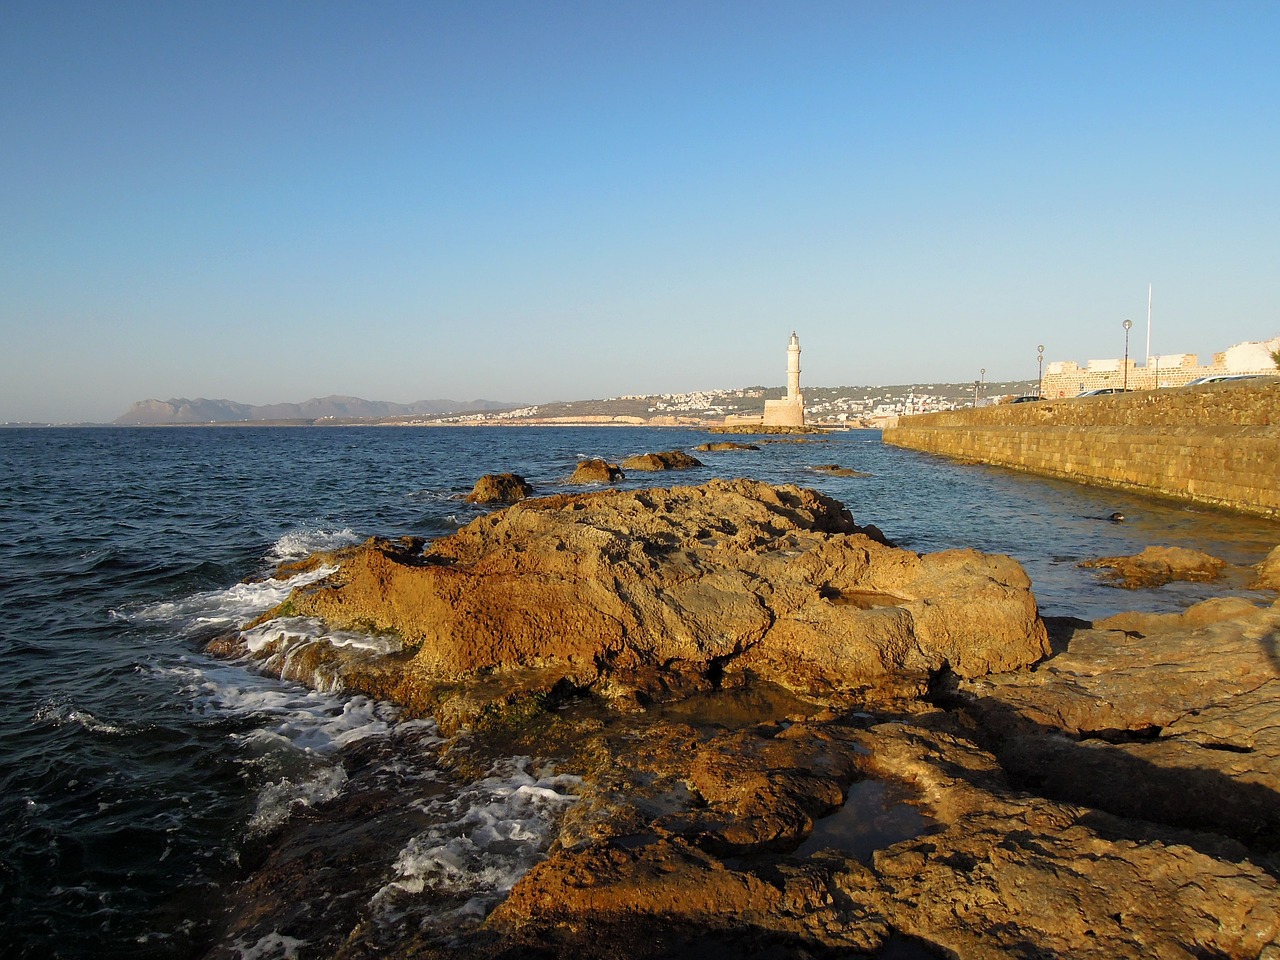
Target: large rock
x=1269, y=571
x=640, y=590
x=596, y=470
x=717, y=446
x=500, y=488
x=666, y=460
x=1170, y=717
x=1156, y=566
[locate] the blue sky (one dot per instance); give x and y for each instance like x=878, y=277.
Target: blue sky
x=270, y=201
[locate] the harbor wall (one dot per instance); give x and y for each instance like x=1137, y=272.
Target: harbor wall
x=1215, y=444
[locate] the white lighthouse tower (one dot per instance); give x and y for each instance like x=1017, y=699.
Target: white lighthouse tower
x=789, y=411
x=793, y=369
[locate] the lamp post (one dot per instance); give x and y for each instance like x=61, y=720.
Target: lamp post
x=1128, y=325
x=1040, y=374
x=975, y=394
x=983, y=387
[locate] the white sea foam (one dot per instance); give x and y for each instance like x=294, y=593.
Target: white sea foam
x=274, y=946
x=302, y=543
x=284, y=647
x=307, y=720
x=236, y=604
x=59, y=712
x=485, y=838
x=279, y=799
x=285, y=631
x=297, y=733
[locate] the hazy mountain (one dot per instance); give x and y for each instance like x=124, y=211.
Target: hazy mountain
x=200, y=410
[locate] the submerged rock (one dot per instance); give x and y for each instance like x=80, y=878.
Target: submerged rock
x=1156, y=566
x=635, y=592
x=500, y=488
x=667, y=460
x=717, y=446
x=596, y=471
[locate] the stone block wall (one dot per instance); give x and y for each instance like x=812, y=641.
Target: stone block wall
x=1217, y=444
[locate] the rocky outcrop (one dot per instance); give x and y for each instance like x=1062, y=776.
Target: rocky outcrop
x=500, y=488
x=1156, y=566
x=718, y=446
x=913, y=784
x=666, y=460
x=596, y=471
x=1168, y=717
x=990, y=871
x=636, y=593
x=1269, y=571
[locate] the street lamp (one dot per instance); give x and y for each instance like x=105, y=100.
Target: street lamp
x=1040, y=376
x=1128, y=325
x=983, y=371
x=975, y=394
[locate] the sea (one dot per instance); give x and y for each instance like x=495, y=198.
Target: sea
x=143, y=782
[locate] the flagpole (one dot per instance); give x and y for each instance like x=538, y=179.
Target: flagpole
x=1148, y=324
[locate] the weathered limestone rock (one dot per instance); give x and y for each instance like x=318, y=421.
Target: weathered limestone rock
x=596, y=471
x=717, y=446
x=1171, y=717
x=640, y=590
x=992, y=872
x=1156, y=566
x=666, y=460
x=1118, y=800
x=500, y=488
x=1269, y=571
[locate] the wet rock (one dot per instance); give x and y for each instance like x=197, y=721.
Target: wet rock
x=667, y=460
x=718, y=446
x=1156, y=566
x=500, y=488
x=596, y=471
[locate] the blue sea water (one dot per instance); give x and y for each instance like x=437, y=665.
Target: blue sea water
x=139, y=777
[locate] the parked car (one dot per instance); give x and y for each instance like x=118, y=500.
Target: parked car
x=1103, y=392
x=1027, y=399
x=1220, y=377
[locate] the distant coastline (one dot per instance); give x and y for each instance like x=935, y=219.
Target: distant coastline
x=844, y=406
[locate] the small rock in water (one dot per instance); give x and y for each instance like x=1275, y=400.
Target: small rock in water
x=597, y=471
x=667, y=460
x=500, y=488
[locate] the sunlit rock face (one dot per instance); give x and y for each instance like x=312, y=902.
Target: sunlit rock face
x=638, y=589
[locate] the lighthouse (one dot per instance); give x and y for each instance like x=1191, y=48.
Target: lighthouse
x=793, y=369
x=789, y=411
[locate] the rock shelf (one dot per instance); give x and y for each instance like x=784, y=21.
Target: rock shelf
x=724, y=665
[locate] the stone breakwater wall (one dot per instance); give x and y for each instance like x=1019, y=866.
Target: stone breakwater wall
x=1217, y=444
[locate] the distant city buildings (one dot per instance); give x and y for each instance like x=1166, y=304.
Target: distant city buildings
x=1065, y=378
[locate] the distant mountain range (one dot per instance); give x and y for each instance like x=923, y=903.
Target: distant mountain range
x=200, y=410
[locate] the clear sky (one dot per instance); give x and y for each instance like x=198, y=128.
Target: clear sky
x=269, y=201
